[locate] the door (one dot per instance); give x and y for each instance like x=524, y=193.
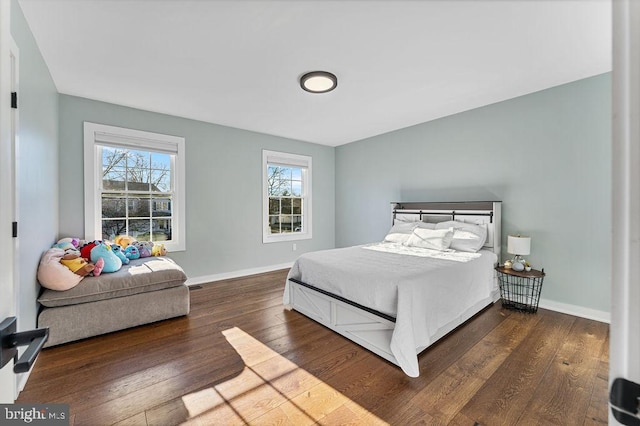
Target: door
x=7, y=289
x=625, y=293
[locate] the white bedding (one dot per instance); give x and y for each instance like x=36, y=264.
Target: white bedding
x=425, y=290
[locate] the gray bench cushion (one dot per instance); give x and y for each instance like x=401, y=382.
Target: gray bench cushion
x=139, y=276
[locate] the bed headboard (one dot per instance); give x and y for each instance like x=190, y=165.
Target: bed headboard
x=478, y=212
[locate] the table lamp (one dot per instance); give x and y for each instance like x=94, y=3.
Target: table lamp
x=518, y=246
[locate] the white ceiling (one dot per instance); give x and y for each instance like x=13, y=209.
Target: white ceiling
x=237, y=62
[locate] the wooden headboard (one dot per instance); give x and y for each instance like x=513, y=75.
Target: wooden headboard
x=478, y=212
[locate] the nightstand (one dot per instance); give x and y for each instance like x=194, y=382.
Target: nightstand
x=520, y=291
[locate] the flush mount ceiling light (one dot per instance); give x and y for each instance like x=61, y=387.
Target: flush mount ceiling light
x=318, y=82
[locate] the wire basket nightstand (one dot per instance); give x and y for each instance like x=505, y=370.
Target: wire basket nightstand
x=520, y=291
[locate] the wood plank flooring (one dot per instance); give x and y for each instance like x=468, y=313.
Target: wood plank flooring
x=240, y=358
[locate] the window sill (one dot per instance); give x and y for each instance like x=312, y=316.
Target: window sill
x=276, y=238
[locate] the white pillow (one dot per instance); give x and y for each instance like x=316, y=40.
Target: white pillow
x=425, y=225
x=466, y=236
x=434, y=239
x=400, y=232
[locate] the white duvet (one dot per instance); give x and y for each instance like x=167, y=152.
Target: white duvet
x=425, y=290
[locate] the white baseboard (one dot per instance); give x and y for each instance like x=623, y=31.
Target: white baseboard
x=237, y=274
x=577, y=311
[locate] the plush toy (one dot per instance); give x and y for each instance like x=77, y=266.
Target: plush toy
x=79, y=266
x=54, y=275
x=124, y=241
x=158, y=250
x=85, y=250
x=65, y=245
x=132, y=252
x=112, y=263
x=74, y=241
x=120, y=253
x=144, y=248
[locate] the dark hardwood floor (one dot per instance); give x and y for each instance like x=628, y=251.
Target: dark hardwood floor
x=239, y=357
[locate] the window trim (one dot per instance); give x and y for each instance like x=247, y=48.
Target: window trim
x=136, y=139
x=293, y=160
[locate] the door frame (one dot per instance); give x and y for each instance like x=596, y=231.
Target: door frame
x=625, y=282
x=8, y=383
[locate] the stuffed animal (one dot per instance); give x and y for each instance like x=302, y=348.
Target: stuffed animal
x=54, y=275
x=124, y=241
x=158, y=250
x=132, y=252
x=79, y=266
x=144, y=248
x=85, y=250
x=74, y=241
x=120, y=253
x=112, y=263
x=64, y=245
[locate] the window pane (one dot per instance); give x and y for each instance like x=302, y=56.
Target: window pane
x=113, y=228
x=113, y=205
x=160, y=180
x=285, y=223
x=274, y=224
x=137, y=159
x=138, y=179
x=113, y=180
x=296, y=206
x=113, y=157
x=296, y=174
x=160, y=161
x=296, y=188
x=161, y=206
x=279, y=180
x=161, y=229
x=297, y=223
x=274, y=206
x=139, y=206
x=279, y=187
x=286, y=206
x=140, y=229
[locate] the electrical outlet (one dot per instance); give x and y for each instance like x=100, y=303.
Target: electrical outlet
x=294, y=247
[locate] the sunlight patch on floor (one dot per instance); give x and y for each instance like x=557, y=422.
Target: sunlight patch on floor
x=271, y=389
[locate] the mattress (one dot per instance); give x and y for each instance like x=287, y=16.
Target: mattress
x=425, y=290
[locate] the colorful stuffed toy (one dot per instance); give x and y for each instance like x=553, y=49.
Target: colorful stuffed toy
x=54, y=275
x=124, y=241
x=64, y=245
x=74, y=241
x=120, y=253
x=158, y=250
x=112, y=263
x=79, y=266
x=132, y=252
x=144, y=248
x=85, y=250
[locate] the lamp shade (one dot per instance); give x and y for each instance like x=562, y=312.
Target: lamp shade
x=518, y=245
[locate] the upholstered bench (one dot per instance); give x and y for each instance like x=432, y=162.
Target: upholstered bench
x=146, y=290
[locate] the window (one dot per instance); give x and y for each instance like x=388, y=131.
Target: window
x=134, y=185
x=287, y=197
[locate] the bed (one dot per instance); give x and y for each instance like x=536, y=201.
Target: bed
x=397, y=299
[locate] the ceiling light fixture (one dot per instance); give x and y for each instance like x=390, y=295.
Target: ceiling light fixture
x=318, y=82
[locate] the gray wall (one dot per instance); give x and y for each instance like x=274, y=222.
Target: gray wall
x=546, y=156
x=37, y=165
x=224, y=186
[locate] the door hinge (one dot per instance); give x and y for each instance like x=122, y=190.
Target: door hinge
x=624, y=399
x=14, y=100
x=14, y=229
